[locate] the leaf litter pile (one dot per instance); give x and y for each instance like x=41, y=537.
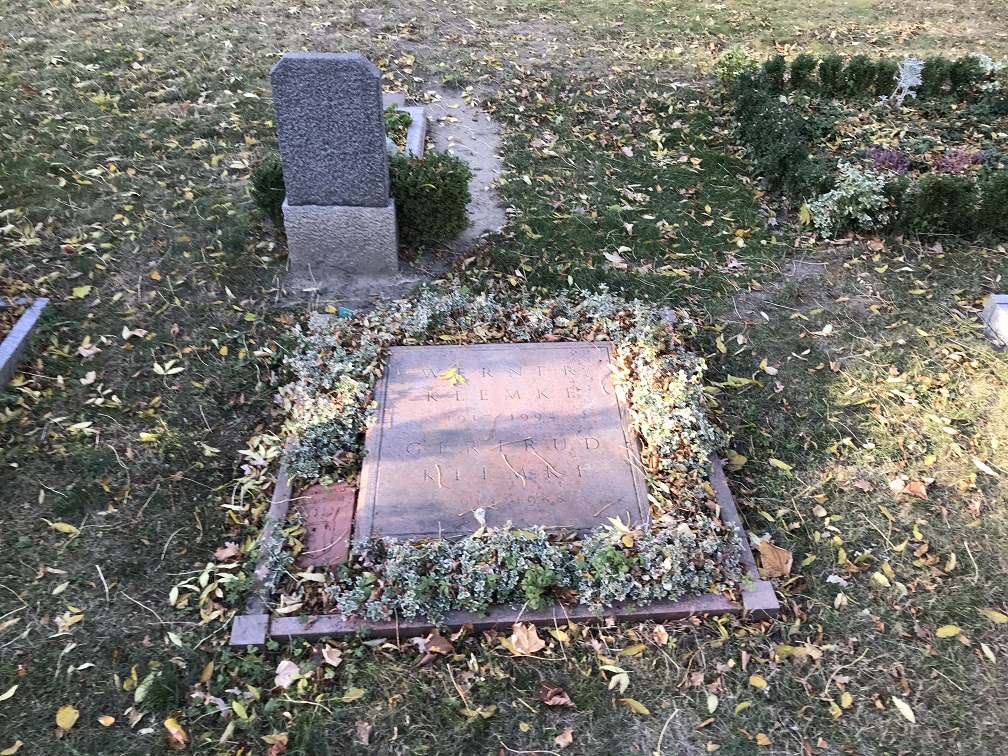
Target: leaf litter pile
x=865, y=406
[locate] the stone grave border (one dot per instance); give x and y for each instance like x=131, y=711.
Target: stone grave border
x=14, y=343
x=255, y=626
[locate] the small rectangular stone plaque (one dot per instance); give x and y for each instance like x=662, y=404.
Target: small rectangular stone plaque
x=327, y=512
x=532, y=433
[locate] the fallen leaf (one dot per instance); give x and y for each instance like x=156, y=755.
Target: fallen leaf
x=565, y=738
x=9, y=693
x=277, y=744
x=227, y=551
x=763, y=740
x=947, y=631
x=660, y=635
x=758, y=682
x=13, y=749
x=992, y=614
x=106, y=720
x=352, y=695
x=525, y=640
x=62, y=527
x=635, y=706
x=285, y=672
x=552, y=694
x=67, y=717
x=364, y=732
x=437, y=643
x=780, y=465
x=88, y=378
x=333, y=656
x=917, y=488
x=712, y=703
x=176, y=735
x=776, y=561
x=904, y=708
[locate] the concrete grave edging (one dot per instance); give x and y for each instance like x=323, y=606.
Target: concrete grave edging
x=14, y=343
x=255, y=626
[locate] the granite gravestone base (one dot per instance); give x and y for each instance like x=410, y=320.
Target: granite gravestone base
x=531, y=434
x=338, y=215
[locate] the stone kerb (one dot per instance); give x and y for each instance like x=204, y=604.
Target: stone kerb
x=338, y=215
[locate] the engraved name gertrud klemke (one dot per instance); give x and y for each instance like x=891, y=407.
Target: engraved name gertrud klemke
x=534, y=433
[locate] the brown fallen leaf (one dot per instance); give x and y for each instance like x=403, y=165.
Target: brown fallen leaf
x=226, y=551
x=364, y=732
x=437, y=643
x=66, y=717
x=106, y=720
x=333, y=656
x=525, y=640
x=776, y=561
x=660, y=635
x=565, y=738
x=917, y=488
x=176, y=735
x=552, y=694
x=278, y=744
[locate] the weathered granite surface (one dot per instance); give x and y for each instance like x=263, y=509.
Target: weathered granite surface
x=332, y=131
x=341, y=239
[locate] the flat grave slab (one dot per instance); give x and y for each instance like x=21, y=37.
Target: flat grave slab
x=531, y=433
x=327, y=512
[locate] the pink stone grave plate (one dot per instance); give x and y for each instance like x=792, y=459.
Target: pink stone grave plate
x=536, y=434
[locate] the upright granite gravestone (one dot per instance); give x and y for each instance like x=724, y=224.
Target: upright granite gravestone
x=337, y=213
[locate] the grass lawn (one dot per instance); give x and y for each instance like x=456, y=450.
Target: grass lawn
x=868, y=412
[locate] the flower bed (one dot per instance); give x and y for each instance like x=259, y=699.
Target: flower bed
x=878, y=145
x=686, y=550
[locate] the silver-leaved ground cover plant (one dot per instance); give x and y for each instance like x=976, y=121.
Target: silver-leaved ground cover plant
x=333, y=364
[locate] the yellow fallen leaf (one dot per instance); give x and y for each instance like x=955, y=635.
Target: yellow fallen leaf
x=742, y=706
x=62, y=527
x=763, y=740
x=776, y=561
x=634, y=649
x=352, y=695
x=947, y=631
x=995, y=616
x=757, y=682
x=9, y=693
x=106, y=721
x=780, y=465
x=13, y=749
x=904, y=708
x=67, y=717
x=176, y=735
x=635, y=706
x=846, y=700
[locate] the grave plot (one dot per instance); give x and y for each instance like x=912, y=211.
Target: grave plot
x=481, y=459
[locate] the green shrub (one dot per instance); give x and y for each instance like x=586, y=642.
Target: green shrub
x=934, y=76
x=431, y=195
x=831, y=75
x=886, y=76
x=772, y=133
x=964, y=75
x=810, y=179
x=993, y=215
x=733, y=62
x=941, y=204
x=803, y=72
x=773, y=73
x=268, y=190
x=860, y=75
